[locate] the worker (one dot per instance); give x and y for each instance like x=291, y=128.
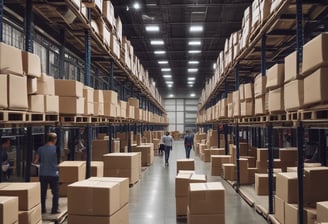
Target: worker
x=5, y=171
x=168, y=142
x=49, y=156
x=188, y=142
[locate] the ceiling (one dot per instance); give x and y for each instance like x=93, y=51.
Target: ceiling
x=219, y=19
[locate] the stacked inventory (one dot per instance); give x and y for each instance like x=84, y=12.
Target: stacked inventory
x=216, y=164
x=185, y=164
x=97, y=168
x=147, y=153
x=8, y=210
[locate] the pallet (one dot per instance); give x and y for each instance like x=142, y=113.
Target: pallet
x=55, y=218
x=13, y=116
x=292, y=116
x=75, y=119
x=314, y=114
x=182, y=217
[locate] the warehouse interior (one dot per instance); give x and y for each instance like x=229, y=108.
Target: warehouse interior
x=113, y=80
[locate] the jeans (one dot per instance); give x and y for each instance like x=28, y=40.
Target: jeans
x=53, y=181
x=167, y=153
x=188, y=149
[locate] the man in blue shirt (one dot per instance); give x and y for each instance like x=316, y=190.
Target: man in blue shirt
x=49, y=157
x=167, y=140
x=188, y=142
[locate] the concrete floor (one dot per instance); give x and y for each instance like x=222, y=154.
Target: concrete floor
x=152, y=199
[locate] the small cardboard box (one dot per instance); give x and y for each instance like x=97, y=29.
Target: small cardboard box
x=46, y=85
x=185, y=164
x=290, y=67
x=294, y=95
x=322, y=211
x=67, y=88
x=17, y=92
x=36, y=103
x=229, y=171
x=262, y=184
x=319, y=94
x=71, y=171
x=8, y=209
x=31, y=216
x=275, y=76
x=32, y=85
x=10, y=60
x=31, y=64
x=71, y=105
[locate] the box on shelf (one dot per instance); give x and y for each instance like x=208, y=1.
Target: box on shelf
x=46, y=85
x=10, y=60
x=249, y=91
x=290, y=67
x=17, y=92
x=71, y=105
x=67, y=88
x=31, y=64
x=294, y=95
x=319, y=94
x=236, y=104
x=32, y=85
x=276, y=100
x=260, y=105
x=71, y=171
x=3, y=91
x=247, y=108
x=110, y=110
x=98, y=96
x=110, y=96
x=108, y=13
x=275, y=76
x=260, y=85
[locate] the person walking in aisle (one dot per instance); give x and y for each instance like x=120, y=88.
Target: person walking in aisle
x=188, y=142
x=49, y=157
x=5, y=146
x=168, y=142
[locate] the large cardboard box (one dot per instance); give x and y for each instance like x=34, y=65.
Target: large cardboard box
x=110, y=110
x=319, y=94
x=99, y=198
x=205, y=218
x=10, y=60
x=3, y=91
x=99, y=148
x=290, y=67
x=262, y=183
x=247, y=108
x=98, y=109
x=28, y=194
x=236, y=104
x=88, y=108
x=121, y=216
x=259, y=85
x=122, y=160
x=98, y=96
x=322, y=211
x=132, y=101
x=71, y=105
x=51, y=104
x=147, y=153
x=275, y=76
x=97, y=168
x=132, y=174
x=279, y=209
x=315, y=184
x=32, y=216
x=46, y=85
x=36, y=103
x=229, y=171
x=181, y=204
x=260, y=105
x=315, y=53
x=294, y=95
x=17, y=92
x=249, y=91
x=32, y=85
x=286, y=183
x=216, y=164
x=71, y=171
x=88, y=94
x=276, y=100
x=68, y=88
x=182, y=181
x=8, y=210
x=31, y=64
x=291, y=214
x=185, y=164
x=288, y=154
x=206, y=198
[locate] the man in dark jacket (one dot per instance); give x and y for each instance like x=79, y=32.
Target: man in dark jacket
x=188, y=142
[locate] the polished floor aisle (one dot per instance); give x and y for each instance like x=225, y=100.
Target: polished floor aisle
x=152, y=199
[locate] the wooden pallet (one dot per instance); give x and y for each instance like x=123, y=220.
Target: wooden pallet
x=314, y=114
x=75, y=119
x=292, y=116
x=13, y=116
x=51, y=117
x=35, y=117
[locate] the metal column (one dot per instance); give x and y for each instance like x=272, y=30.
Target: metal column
x=270, y=158
x=300, y=170
x=263, y=55
x=225, y=126
x=1, y=154
x=1, y=26
x=110, y=126
x=323, y=147
x=62, y=54
x=87, y=77
x=299, y=34
x=28, y=26
x=237, y=132
x=29, y=153
x=129, y=138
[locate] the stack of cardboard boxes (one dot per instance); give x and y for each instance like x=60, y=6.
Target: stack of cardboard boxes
x=182, y=181
x=275, y=82
x=216, y=164
x=123, y=165
x=260, y=94
x=110, y=103
x=98, y=99
x=147, y=153
x=185, y=164
x=70, y=172
x=206, y=203
x=29, y=202
x=246, y=99
x=8, y=210
x=89, y=107
x=135, y=103
x=105, y=201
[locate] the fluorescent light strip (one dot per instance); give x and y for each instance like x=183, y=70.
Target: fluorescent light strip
x=152, y=28
x=159, y=52
x=194, y=51
x=192, y=69
x=157, y=42
x=191, y=83
x=193, y=95
x=191, y=78
x=214, y=65
x=171, y=95
x=193, y=62
x=167, y=76
x=170, y=86
x=194, y=43
x=165, y=69
x=195, y=29
x=169, y=82
x=163, y=62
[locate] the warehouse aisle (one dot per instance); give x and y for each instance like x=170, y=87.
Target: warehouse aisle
x=152, y=200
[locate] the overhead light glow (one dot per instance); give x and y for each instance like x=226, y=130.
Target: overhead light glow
x=214, y=66
x=152, y=28
x=157, y=42
x=191, y=78
x=196, y=29
x=191, y=85
x=192, y=69
x=163, y=62
x=167, y=76
x=136, y=5
x=193, y=95
x=170, y=86
x=194, y=43
x=169, y=82
x=165, y=69
x=154, y=83
x=171, y=95
x=193, y=62
x=159, y=52
x=191, y=82
x=194, y=51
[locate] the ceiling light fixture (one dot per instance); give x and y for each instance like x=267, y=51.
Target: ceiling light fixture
x=193, y=95
x=194, y=43
x=159, y=52
x=193, y=62
x=136, y=5
x=171, y=95
x=163, y=62
x=195, y=29
x=214, y=66
x=191, y=85
x=157, y=42
x=194, y=51
x=165, y=69
x=152, y=28
x=191, y=78
x=167, y=76
x=170, y=86
x=169, y=82
x=191, y=82
x=192, y=69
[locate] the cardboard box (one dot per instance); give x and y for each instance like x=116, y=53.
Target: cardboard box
x=28, y=194
x=98, y=109
x=229, y=171
x=10, y=60
x=247, y=108
x=319, y=94
x=99, y=198
x=275, y=76
x=3, y=91
x=31, y=216
x=249, y=91
x=110, y=110
x=288, y=154
x=8, y=210
x=17, y=92
x=181, y=204
x=260, y=105
x=32, y=85
x=121, y=217
x=314, y=53
x=236, y=104
x=122, y=160
x=67, y=88
x=259, y=85
x=262, y=184
x=88, y=94
x=31, y=64
x=71, y=171
x=147, y=154
x=97, y=168
x=291, y=214
x=36, y=103
x=132, y=174
x=276, y=100
x=285, y=187
x=206, y=198
x=100, y=147
x=98, y=96
x=185, y=164
x=182, y=181
x=71, y=105
x=279, y=209
x=133, y=102
x=46, y=85
x=88, y=108
x=290, y=67
x=262, y=154
x=315, y=184
x=322, y=211
x=110, y=96
x=294, y=95
x=205, y=218
x=51, y=104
